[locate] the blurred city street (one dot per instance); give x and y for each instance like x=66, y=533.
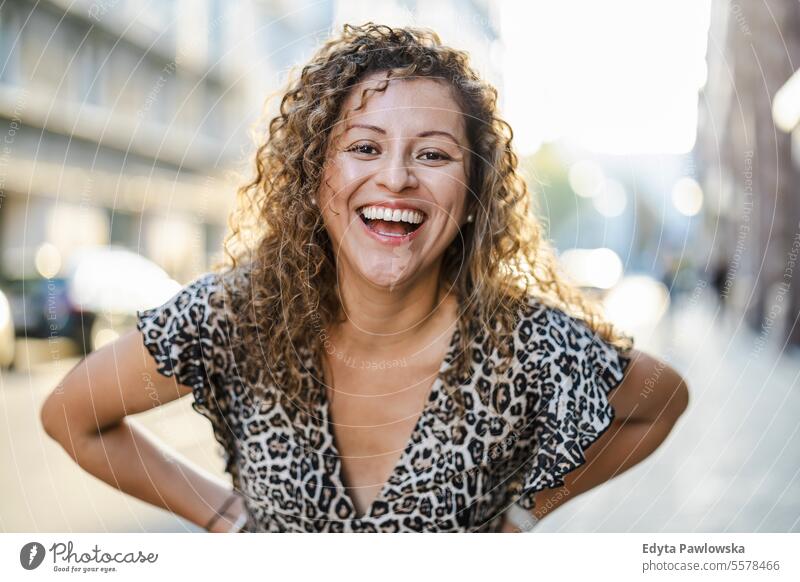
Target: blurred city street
x=731, y=463
x=665, y=179
x=44, y=490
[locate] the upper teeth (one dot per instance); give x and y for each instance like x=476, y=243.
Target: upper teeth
x=397, y=215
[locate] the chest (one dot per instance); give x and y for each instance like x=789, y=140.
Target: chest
x=374, y=406
x=389, y=436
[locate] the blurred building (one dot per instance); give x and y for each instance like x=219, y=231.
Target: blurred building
x=124, y=129
x=120, y=120
x=748, y=174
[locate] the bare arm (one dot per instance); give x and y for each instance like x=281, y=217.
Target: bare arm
x=87, y=413
x=647, y=404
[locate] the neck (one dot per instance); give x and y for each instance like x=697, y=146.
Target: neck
x=380, y=319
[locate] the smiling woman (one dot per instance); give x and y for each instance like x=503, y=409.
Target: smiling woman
x=389, y=345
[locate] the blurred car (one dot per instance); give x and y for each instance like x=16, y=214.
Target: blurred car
x=113, y=283
x=40, y=309
x=93, y=303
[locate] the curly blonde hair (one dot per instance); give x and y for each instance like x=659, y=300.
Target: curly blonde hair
x=289, y=294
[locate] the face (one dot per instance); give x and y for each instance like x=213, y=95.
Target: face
x=393, y=194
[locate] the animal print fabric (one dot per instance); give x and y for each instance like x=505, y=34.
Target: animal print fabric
x=521, y=431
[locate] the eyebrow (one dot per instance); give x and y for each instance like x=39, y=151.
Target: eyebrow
x=382, y=131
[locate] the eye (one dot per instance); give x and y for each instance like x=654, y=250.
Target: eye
x=363, y=148
x=434, y=156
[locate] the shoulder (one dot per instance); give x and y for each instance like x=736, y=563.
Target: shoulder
x=195, y=311
x=552, y=334
x=204, y=290
x=539, y=322
x=215, y=290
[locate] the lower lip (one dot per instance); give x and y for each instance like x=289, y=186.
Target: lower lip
x=388, y=239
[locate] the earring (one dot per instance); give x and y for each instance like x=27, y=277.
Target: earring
x=469, y=218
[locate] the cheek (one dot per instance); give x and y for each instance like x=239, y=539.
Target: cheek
x=341, y=176
x=449, y=189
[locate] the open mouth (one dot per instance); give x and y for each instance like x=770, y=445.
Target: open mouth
x=396, y=225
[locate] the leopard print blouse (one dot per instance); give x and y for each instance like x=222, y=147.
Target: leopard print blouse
x=521, y=432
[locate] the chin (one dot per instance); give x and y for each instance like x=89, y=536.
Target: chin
x=388, y=270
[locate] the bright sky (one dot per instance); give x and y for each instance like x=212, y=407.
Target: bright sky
x=618, y=76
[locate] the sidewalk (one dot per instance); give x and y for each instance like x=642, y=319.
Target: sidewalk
x=45, y=491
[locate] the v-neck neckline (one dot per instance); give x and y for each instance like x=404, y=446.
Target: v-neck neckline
x=333, y=449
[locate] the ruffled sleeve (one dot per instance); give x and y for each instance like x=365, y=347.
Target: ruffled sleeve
x=575, y=373
x=183, y=336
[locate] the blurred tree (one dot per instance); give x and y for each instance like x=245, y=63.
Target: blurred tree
x=547, y=176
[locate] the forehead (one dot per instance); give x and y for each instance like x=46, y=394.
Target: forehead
x=413, y=103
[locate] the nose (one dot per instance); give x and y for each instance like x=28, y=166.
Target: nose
x=396, y=174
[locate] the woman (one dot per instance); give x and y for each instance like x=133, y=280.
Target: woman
x=389, y=346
